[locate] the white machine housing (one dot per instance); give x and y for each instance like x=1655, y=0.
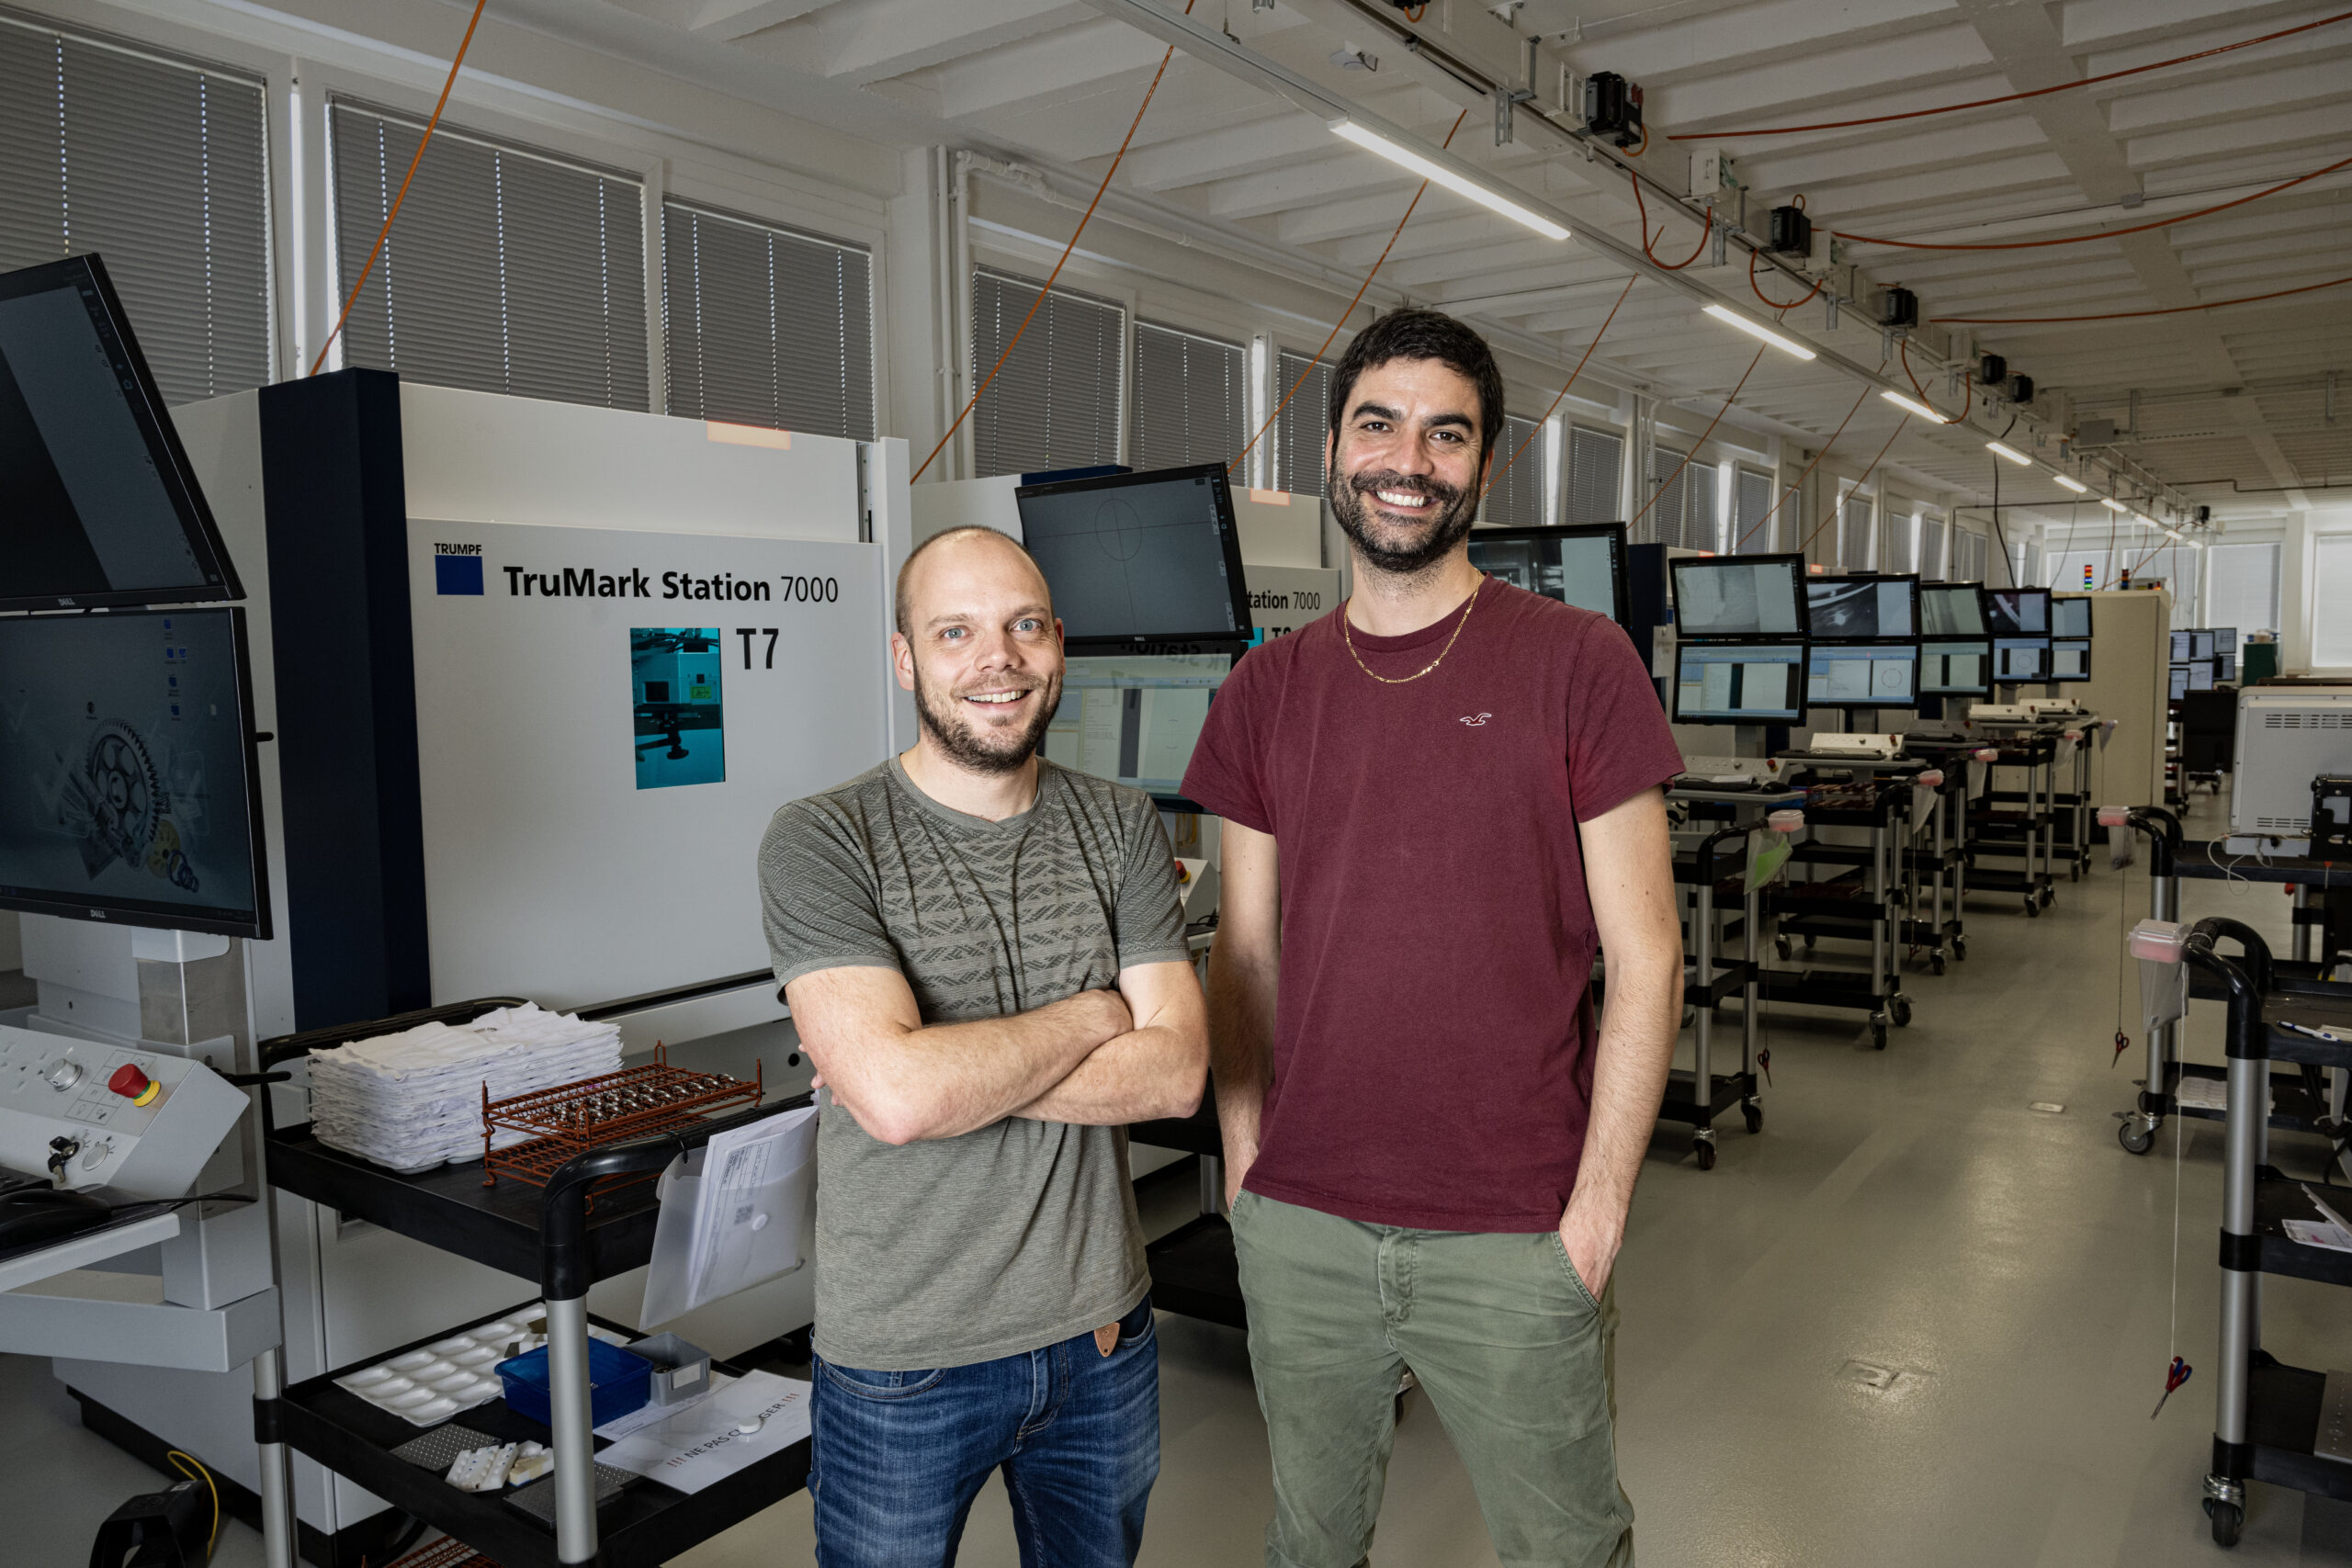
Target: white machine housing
x=2054, y=707
x=1857, y=744
x=52, y=1087
x=2287, y=736
x=2000, y=713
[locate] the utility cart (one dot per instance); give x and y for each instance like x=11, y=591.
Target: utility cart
x=1857, y=899
x=2013, y=827
x=1716, y=870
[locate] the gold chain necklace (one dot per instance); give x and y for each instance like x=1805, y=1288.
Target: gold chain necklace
x=1348, y=636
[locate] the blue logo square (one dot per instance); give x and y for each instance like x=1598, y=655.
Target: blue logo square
x=457, y=574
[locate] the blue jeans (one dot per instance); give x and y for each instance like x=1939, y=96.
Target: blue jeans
x=900, y=1456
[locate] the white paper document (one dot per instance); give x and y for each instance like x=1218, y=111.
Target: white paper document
x=701, y=1444
x=733, y=1216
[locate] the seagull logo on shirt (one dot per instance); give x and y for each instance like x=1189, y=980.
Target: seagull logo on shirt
x=1476, y=721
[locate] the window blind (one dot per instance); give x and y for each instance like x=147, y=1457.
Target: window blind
x=1701, y=527
x=1894, y=538
x=1055, y=402
x=1305, y=427
x=1968, y=555
x=1854, y=533
x=764, y=326
x=1595, y=462
x=1669, y=477
x=2242, y=587
x=508, y=271
x=1932, y=548
x=2330, y=590
x=157, y=165
x=1515, y=497
x=1191, y=397
x=1752, y=503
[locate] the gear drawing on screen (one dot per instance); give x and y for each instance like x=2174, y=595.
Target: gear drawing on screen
x=116, y=807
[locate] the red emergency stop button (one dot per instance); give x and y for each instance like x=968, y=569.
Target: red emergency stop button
x=133, y=1084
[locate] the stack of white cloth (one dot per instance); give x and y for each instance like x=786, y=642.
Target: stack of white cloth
x=412, y=1101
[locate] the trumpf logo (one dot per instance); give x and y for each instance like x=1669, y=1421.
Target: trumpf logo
x=456, y=568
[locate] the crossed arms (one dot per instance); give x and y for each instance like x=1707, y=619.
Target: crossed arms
x=1098, y=1059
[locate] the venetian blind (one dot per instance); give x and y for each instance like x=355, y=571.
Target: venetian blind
x=1595, y=461
x=1752, y=503
x=1191, y=397
x=1055, y=401
x=766, y=326
x=1932, y=548
x=1515, y=497
x=1854, y=533
x=2242, y=587
x=1305, y=427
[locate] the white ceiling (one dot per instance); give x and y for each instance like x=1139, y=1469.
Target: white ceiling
x=2231, y=405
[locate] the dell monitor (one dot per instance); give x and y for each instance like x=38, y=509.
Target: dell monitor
x=1956, y=669
x=2180, y=687
x=2018, y=612
x=1952, y=609
x=101, y=506
x=1862, y=675
x=2201, y=645
x=1580, y=564
x=2181, y=651
x=1725, y=683
x=1862, y=609
x=129, y=787
x=2225, y=639
x=1140, y=560
x=1133, y=718
x=2020, y=660
x=2070, y=616
x=1740, y=596
x=2070, y=659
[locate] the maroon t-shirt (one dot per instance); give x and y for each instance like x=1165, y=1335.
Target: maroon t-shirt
x=1434, y=1041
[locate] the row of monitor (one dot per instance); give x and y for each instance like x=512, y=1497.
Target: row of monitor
x=1775, y=683
x=2202, y=674
x=2218, y=642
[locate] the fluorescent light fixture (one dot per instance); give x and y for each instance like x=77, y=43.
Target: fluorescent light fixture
x=2112, y=504
x=2019, y=459
x=2173, y=537
x=1785, y=344
x=2075, y=485
x=1405, y=157
x=1913, y=406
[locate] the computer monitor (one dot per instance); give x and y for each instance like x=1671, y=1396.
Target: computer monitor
x=1952, y=609
x=1728, y=683
x=1145, y=559
x=1740, y=596
x=2070, y=616
x=2070, y=659
x=2225, y=639
x=1581, y=564
x=1961, y=669
x=2200, y=675
x=1133, y=717
x=1862, y=675
x=2180, y=681
x=2020, y=660
x=2018, y=612
x=128, y=778
x=2201, y=645
x=1862, y=609
x=2225, y=667
x=2181, y=651
x=101, y=506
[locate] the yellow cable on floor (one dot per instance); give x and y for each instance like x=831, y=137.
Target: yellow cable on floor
x=200, y=1473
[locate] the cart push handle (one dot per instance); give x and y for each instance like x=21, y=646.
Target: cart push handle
x=2248, y=977
x=1707, y=851
x=2162, y=828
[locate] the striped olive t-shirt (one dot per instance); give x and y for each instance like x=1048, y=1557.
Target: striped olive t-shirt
x=1022, y=1234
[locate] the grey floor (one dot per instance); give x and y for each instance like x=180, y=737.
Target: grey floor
x=1916, y=1321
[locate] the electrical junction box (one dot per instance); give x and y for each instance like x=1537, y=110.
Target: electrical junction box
x=1991, y=370
x=2020, y=388
x=1788, y=232
x=1612, y=107
x=1899, y=308
x=2094, y=433
x=1713, y=173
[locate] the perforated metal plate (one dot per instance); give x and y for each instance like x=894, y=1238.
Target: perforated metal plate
x=537, y=1499
x=438, y=1448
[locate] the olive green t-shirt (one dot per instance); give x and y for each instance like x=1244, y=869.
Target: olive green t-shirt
x=1019, y=1235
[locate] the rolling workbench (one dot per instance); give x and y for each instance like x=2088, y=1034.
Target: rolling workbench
x=1860, y=901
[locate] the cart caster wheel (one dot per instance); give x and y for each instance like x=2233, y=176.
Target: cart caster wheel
x=1754, y=1116
x=1810, y=944
x=1705, y=1149
x=2136, y=1136
x=2032, y=907
x=1936, y=964
x=2229, y=1521
x=1960, y=948
x=2074, y=874
x=1878, y=1031
x=1781, y=946
x=1901, y=1013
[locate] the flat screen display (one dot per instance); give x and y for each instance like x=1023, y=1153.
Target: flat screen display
x=1952, y=609
x=2070, y=617
x=1582, y=564
x=1134, y=719
x=2225, y=639
x=2018, y=612
x=2200, y=675
x=1956, y=669
x=2180, y=649
x=1722, y=682
x=2180, y=681
x=1740, y=596
x=2225, y=667
x=100, y=505
x=1863, y=675
x=2070, y=659
x=1145, y=558
x=2020, y=659
x=1862, y=609
x=127, y=769
x=2201, y=645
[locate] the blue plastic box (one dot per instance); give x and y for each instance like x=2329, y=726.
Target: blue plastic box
x=618, y=1383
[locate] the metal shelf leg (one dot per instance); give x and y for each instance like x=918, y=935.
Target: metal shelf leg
x=575, y=1459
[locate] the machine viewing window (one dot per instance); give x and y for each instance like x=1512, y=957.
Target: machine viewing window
x=1952, y=609
x=2180, y=681
x=2200, y=675
x=1724, y=682
x=2018, y=612
x=1133, y=717
x=2070, y=659
x=1956, y=670
x=1581, y=564
x=1740, y=596
x=127, y=771
x=2018, y=661
x=101, y=505
x=1862, y=609
x=1150, y=557
x=2201, y=645
x=2070, y=617
x=680, y=723
x=1863, y=675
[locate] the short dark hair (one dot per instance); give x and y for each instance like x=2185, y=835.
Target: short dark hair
x=907, y=567
x=1409, y=334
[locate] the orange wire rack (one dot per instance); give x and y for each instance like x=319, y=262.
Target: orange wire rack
x=572, y=1119
x=447, y=1552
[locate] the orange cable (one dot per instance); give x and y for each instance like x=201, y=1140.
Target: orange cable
x=1808, y=468
x=383, y=233
x=2014, y=97
x=1752, y=258
x=1566, y=385
x=2102, y=234
x=1660, y=488
x=1641, y=208
x=1038, y=304
x=2131, y=315
x=1349, y=312
x=1968, y=386
x=1859, y=478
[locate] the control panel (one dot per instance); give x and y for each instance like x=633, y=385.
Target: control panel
x=95, y=1115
